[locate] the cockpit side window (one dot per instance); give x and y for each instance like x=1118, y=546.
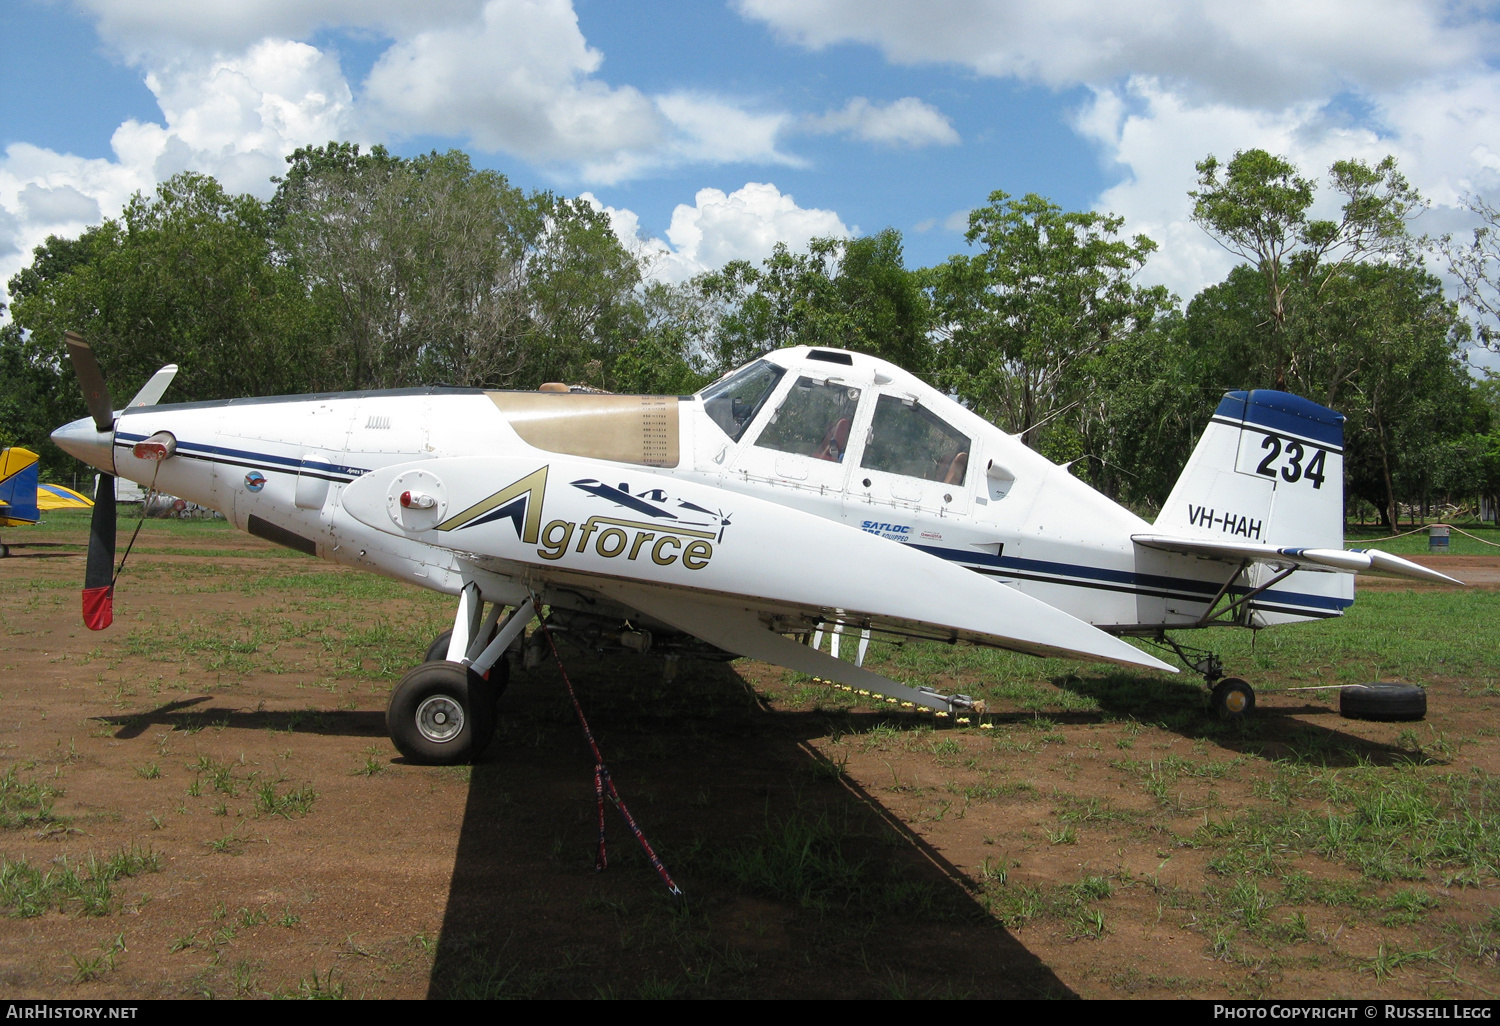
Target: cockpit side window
x=813, y=420
x=909, y=440
x=732, y=402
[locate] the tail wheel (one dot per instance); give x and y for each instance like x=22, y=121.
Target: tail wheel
x=1233, y=698
x=441, y=714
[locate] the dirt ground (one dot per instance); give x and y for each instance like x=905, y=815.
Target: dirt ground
x=223, y=748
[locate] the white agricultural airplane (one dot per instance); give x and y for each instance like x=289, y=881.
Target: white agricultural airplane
x=812, y=489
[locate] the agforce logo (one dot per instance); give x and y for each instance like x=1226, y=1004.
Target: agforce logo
x=666, y=538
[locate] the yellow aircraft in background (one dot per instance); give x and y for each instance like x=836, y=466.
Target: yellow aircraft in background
x=23, y=498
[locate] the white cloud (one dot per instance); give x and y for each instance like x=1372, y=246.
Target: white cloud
x=516, y=79
x=1271, y=51
x=904, y=122
x=233, y=118
x=60, y=205
x=719, y=227
x=1157, y=136
x=238, y=91
x=513, y=76
x=1172, y=82
x=700, y=130
x=148, y=31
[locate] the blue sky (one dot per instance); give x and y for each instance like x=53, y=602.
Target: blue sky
x=710, y=130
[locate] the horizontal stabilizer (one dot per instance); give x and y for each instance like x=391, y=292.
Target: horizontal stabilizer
x=1349, y=561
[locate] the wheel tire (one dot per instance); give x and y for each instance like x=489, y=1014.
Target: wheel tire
x=1233, y=699
x=4, y=550
x=437, y=652
x=1382, y=701
x=441, y=714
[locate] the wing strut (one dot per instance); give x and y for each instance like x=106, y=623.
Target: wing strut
x=740, y=631
x=1239, y=601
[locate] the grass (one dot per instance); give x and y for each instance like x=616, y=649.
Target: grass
x=294, y=802
x=810, y=861
x=85, y=886
x=1268, y=844
x=25, y=803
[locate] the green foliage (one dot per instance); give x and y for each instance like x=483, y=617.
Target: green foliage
x=1023, y=319
x=371, y=270
x=1476, y=267
x=843, y=293
x=432, y=270
x=1259, y=211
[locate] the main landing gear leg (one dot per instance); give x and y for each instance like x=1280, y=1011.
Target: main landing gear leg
x=1231, y=698
x=443, y=712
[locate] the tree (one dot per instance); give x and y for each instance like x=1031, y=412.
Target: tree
x=433, y=270
x=1379, y=343
x=842, y=293
x=1259, y=211
x=184, y=277
x=1021, y=321
x=1477, y=268
x=662, y=351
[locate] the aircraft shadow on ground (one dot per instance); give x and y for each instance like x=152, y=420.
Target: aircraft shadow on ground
x=190, y=714
x=1271, y=732
x=798, y=883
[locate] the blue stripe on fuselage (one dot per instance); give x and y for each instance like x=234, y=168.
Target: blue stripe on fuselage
x=1103, y=579
x=258, y=460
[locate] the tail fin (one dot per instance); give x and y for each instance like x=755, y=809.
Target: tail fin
x=18, y=481
x=1270, y=469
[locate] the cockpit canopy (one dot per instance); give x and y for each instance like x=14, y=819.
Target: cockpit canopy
x=826, y=412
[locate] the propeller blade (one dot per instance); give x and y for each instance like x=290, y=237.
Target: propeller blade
x=91, y=379
x=98, y=575
x=151, y=392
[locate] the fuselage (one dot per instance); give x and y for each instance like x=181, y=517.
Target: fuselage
x=840, y=435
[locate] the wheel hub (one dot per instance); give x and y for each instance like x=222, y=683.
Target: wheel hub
x=440, y=718
x=1235, y=701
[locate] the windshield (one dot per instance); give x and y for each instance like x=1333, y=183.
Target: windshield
x=732, y=402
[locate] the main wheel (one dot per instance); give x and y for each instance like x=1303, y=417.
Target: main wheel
x=1383, y=702
x=441, y=714
x=1233, y=698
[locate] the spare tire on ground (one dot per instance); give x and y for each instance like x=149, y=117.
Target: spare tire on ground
x=1381, y=701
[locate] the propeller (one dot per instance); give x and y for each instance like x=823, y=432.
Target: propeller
x=91, y=380
x=98, y=576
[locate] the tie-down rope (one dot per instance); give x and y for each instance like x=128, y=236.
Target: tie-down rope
x=603, y=783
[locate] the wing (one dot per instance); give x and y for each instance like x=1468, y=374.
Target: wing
x=560, y=523
x=50, y=496
x=1348, y=561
